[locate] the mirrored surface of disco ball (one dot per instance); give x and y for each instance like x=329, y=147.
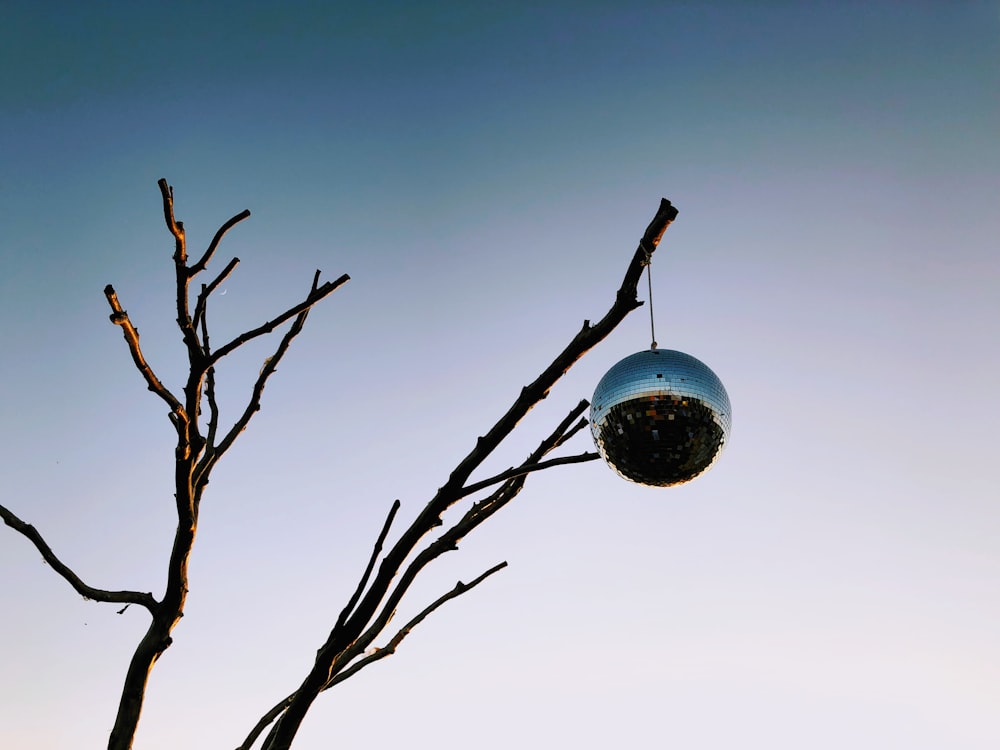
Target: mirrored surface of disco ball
x=660, y=417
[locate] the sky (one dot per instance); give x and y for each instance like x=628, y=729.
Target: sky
x=483, y=171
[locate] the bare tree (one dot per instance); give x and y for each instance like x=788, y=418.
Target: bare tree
x=202, y=441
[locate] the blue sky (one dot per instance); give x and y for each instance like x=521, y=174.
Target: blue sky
x=484, y=173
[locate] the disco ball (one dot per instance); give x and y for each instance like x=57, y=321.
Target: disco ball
x=660, y=417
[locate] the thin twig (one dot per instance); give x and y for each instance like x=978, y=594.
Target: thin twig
x=207, y=289
x=213, y=405
x=376, y=551
x=519, y=471
x=571, y=432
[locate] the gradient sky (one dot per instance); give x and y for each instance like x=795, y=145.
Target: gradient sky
x=483, y=172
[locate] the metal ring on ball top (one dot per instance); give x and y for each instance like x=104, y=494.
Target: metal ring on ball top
x=660, y=417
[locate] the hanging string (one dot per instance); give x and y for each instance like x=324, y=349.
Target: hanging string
x=649, y=280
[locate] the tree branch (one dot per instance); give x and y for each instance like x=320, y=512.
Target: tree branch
x=588, y=337
x=207, y=289
x=390, y=648
x=176, y=227
x=203, y=261
x=213, y=405
x=315, y=296
x=560, y=435
x=514, y=483
x=519, y=471
x=194, y=456
x=378, y=653
x=215, y=452
x=371, y=565
x=88, y=592
x=265, y=721
x=378, y=598
x=181, y=279
x=120, y=318
x=329, y=661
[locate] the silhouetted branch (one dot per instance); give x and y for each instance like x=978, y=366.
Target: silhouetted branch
x=448, y=541
x=560, y=435
x=120, y=318
x=625, y=301
x=478, y=513
x=383, y=594
x=265, y=721
x=195, y=455
x=315, y=296
x=181, y=277
x=519, y=471
x=203, y=261
x=213, y=405
x=377, y=654
x=89, y=592
x=316, y=293
x=207, y=289
x=330, y=662
x=390, y=647
x=371, y=564
x=175, y=227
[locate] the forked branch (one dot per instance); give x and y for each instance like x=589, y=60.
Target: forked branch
x=380, y=652
x=371, y=656
x=315, y=295
x=214, y=452
x=196, y=454
x=376, y=607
